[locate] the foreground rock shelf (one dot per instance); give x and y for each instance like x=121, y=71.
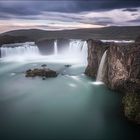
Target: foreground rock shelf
x=42, y=72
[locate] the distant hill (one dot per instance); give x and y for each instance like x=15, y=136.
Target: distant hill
x=114, y=32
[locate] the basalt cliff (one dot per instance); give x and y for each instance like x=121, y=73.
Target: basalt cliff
x=121, y=72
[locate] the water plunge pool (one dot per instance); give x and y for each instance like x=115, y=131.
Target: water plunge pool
x=70, y=106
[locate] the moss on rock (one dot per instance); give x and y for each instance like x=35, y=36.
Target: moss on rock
x=131, y=103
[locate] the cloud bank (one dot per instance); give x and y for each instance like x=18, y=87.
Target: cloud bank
x=68, y=14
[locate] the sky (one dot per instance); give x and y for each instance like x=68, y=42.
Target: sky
x=67, y=14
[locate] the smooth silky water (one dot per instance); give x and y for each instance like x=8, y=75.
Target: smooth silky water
x=68, y=107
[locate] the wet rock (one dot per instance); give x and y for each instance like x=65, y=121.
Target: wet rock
x=67, y=65
x=44, y=73
x=43, y=78
x=43, y=65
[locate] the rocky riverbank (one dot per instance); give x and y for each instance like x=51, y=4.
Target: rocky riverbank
x=121, y=72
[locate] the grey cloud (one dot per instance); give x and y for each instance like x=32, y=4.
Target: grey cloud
x=35, y=7
x=130, y=10
x=135, y=20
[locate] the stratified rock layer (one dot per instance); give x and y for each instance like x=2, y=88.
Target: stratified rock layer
x=123, y=67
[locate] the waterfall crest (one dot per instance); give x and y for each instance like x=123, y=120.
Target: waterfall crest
x=79, y=49
x=76, y=52
x=100, y=72
x=19, y=49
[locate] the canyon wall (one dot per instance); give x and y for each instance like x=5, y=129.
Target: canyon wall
x=123, y=67
x=46, y=46
x=95, y=52
x=122, y=72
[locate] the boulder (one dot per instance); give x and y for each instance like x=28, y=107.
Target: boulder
x=68, y=65
x=44, y=73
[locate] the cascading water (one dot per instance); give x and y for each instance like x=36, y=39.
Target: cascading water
x=100, y=73
x=55, y=48
x=75, y=46
x=75, y=53
x=19, y=49
x=78, y=48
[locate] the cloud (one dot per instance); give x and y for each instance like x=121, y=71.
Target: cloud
x=130, y=10
x=135, y=20
x=68, y=14
x=19, y=7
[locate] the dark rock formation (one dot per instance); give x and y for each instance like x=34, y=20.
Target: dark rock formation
x=68, y=65
x=95, y=52
x=43, y=65
x=44, y=73
x=122, y=72
x=123, y=67
x=46, y=46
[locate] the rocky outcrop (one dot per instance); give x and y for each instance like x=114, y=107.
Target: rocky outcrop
x=95, y=52
x=122, y=72
x=44, y=73
x=123, y=67
x=46, y=46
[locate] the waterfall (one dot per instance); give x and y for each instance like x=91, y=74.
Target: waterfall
x=78, y=48
x=100, y=73
x=75, y=52
x=55, y=48
x=85, y=53
x=75, y=46
x=19, y=49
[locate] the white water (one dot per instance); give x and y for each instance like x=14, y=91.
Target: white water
x=119, y=41
x=75, y=53
x=20, y=49
x=55, y=48
x=78, y=48
x=100, y=73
